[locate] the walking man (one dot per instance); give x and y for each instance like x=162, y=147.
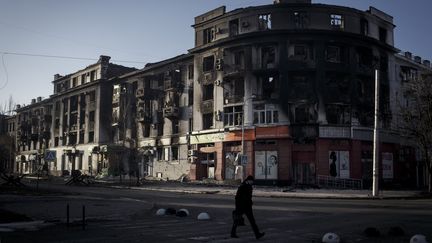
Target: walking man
x=243, y=205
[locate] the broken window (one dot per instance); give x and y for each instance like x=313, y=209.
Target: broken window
x=302, y=114
x=208, y=63
x=365, y=56
x=208, y=121
x=190, y=72
x=74, y=82
x=301, y=19
x=239, y=59
x=333, y=54
x=265, y=114
x=174, y=153
x=298, y=51
x=337, y=21
x=338, y=114
x=268, y=57
x=364, y=27
x=83, y=78
x=175, y=126
x=208, y=92
x=93, y=75
x=382, y=34
x=264, y=21
x=267, y=87
x=208, y=35
x=234, y=27
x=233, y=116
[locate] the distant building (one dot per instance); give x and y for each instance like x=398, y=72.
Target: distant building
x=65, y=131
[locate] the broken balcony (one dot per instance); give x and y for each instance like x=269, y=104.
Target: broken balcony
x=207, y=106
x=172, y=80
x=144, y=117
x=147, y=93
x=171, y=112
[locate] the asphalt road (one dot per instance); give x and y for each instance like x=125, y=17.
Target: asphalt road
x=123, y=215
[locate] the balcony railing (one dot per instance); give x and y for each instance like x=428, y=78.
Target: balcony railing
x=334, y=132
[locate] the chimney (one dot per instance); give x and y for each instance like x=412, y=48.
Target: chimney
x=408, y=54
x=57, y=76
x=292, y=1
x=33, y=101
x=417, y=59
x=18, y=106
x=104, y=59
x=39, y=99
x=426, y=63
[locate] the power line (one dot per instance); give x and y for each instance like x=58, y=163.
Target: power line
x=6, y=72
x=62, y=57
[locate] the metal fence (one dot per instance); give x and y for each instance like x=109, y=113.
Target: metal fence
x=332, y=182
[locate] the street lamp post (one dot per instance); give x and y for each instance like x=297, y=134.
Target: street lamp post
x=242, y=158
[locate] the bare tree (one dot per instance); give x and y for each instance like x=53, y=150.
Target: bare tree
x=416, y=116
x=8, y=108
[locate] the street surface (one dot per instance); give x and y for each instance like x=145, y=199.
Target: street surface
x=126, y=215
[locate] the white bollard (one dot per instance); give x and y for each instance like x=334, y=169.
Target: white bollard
x=330, y=238
x=418, y=239
x=161, y=212
x=203, y=216
x=184, y=210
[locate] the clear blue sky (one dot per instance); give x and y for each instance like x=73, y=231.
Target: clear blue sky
x=138, y=30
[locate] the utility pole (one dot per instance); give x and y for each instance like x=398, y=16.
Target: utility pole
x=375, y=139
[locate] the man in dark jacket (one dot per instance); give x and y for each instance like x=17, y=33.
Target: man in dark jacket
x=243, y=204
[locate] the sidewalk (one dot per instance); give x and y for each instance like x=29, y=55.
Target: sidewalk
x=271, y=191
x=259, y=191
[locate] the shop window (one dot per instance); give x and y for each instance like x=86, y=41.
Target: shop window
x=337, y=21
x=268, y=57
x=233, y=116
x=265, y=114
x=264, y=21
x=333, y=54
x=208, y=64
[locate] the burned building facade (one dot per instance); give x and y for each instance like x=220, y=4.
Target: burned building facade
x=68, y=130
x=283, y=92
x=290, y=86
x=152, y=116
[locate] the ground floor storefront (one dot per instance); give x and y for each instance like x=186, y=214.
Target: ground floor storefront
x=273, y=156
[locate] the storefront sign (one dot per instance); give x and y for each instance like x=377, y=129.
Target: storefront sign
x=207, y=138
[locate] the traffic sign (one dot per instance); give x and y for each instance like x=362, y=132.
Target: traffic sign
x=50, y=155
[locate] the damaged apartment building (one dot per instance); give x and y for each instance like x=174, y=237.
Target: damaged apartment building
x=278, y=91
x=70, y=129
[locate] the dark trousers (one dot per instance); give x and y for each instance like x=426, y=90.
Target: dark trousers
x=251, y=218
